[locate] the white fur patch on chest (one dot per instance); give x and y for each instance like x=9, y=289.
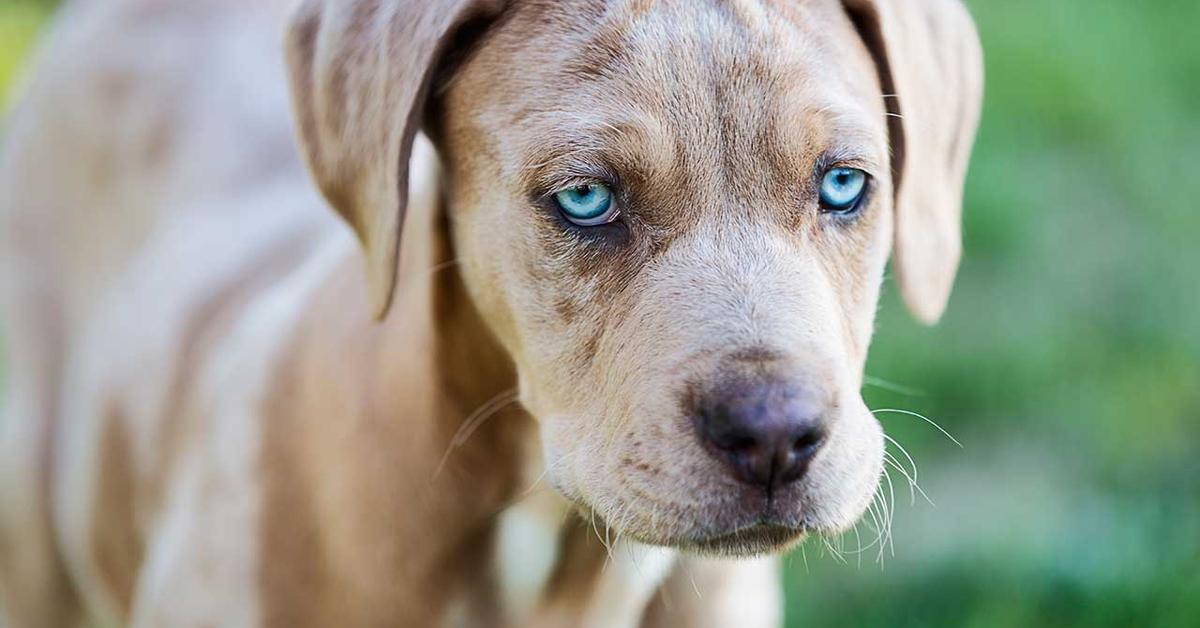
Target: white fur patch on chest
x=630, y=579
x=528, y=545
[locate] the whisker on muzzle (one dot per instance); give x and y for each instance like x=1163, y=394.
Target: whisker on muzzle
x=891, y=509
x=602, y=538
x=887, y=501
x=876, y=523
x=890, y=386
x=913, y=486
x=923, y=418
x=885, y=519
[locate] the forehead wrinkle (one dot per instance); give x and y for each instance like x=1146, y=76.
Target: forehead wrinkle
x=839, y=128
x=626, y=142
x=604, y=53
x=719, y=82
x=709, y=79
x=758, y=69
x=749, y=12
x=718, y=75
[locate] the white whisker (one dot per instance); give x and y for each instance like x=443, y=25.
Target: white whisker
x=596, y=531
x=472, y=423
x=833, y=553
x=691, y=578
x=880, y=502
x=858, y=541
x=884, y=384
x=912, y=484
x=904, y=451
x=890, y=459
x=892, y=508
x=923, y=418
x=436, y=268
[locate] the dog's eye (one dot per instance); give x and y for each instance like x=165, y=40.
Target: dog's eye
x=842, y=190
x=587, y=205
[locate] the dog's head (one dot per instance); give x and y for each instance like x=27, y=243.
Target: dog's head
x=675, y=215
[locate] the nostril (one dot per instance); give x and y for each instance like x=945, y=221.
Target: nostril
x=737, y=443
x=807, y=443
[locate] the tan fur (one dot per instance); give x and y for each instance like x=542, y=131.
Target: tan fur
x=205, y=425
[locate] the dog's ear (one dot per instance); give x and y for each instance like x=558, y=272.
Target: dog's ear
x=931, y=68
x=361, y=73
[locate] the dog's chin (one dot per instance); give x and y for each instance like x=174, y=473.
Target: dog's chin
x=757, y=538
x=754, y=540
x=738, y=533
x=719, y=515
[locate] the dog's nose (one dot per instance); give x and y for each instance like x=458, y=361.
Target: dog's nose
x=766, y=431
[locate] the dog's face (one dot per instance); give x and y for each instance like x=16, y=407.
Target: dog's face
x=676, y=216
x=720, y=275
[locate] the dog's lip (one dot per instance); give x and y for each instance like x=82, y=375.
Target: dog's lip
x=763, y=535
x=765, y=532
x=762, y=526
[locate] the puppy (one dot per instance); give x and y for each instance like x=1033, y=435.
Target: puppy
x=622, y=260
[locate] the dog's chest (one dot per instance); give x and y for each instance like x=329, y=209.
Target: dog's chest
x=554, y=569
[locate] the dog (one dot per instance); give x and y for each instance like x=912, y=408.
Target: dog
x=622, y=260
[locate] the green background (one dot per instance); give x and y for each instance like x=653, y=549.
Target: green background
x=1069, y=362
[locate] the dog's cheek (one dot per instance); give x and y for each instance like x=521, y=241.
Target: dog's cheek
x=581, y=287
x=854, y=257
x=485, y=280
x=844, y=480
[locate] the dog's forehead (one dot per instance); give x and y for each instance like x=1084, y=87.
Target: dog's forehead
x=669, y=47
x=681, y=78
x=669, y=40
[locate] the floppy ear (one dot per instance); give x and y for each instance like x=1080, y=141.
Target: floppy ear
x=360, y=74
x=931, y=68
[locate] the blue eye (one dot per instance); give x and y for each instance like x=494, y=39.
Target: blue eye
x=587, y=205
x=842, y=189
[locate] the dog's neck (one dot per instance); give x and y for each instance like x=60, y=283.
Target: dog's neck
x=474, y=378
x=473, y=370
x=544, y=564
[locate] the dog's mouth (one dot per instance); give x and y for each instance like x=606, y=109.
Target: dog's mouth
x=677, y=495
x=761, y=537
x=755, y=523
x=759, y=531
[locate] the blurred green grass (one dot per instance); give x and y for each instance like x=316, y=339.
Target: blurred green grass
x=19, y=22
x=1069, y=362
